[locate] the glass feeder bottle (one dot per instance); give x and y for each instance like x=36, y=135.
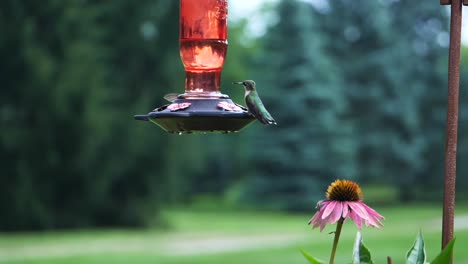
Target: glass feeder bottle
x=203, y=46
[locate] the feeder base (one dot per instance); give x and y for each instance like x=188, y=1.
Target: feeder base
x=186, y=116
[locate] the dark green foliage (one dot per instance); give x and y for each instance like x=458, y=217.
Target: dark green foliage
x=294, y=161
x=358, y=92
x=73, y=74
x=392, y=57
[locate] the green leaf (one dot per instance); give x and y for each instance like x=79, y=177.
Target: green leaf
x=311, y=259
x=445, y=255
x=417, y=253
x=361, y=255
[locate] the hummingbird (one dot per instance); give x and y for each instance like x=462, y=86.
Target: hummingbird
x=254, y=104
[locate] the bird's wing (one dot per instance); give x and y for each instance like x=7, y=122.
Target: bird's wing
x=256, y=107
x=171, y=97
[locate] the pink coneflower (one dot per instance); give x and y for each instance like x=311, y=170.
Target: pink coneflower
x=344, y=200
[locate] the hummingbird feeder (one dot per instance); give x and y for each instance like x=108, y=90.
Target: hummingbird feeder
x=203, y=47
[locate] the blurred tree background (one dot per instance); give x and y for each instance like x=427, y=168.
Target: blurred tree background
x=358, y=91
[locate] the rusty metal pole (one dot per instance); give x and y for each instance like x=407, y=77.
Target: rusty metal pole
x=452, y=120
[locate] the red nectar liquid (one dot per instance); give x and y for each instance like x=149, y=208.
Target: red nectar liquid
x=203, y=45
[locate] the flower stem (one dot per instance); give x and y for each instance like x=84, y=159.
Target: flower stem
x=335, y=241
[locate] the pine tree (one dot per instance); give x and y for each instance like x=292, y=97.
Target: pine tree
x=390, y=60
x=311, y=146
x=74, y=74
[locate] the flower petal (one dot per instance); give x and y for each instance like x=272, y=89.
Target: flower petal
x=374, y=217
x=357, y=219
x=322, y=225
x=345, y=210
x=316, y=219
x=336, y=214
x=359, y=209
x=371, y=211
x=328, y=209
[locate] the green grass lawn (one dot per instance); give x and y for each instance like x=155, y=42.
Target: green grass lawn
x=210, y=237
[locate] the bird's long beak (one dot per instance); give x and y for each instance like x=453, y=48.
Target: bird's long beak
x=238, y=83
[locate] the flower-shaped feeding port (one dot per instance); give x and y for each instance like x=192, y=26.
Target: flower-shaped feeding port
x=203, y=47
